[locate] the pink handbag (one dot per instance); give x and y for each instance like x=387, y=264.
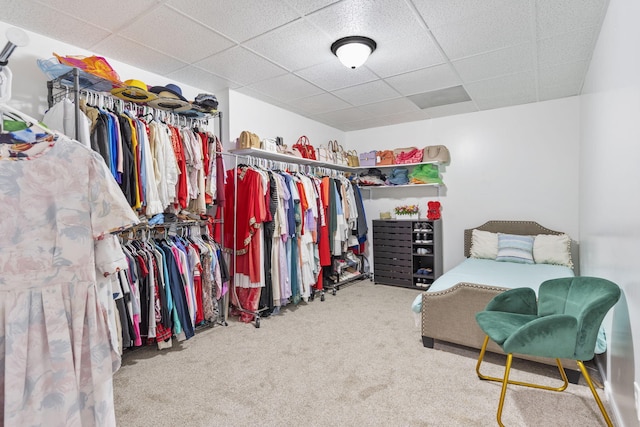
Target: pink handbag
x=405, y=157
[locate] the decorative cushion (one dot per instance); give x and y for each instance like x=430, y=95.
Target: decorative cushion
x=484, y=244
x=515, y=248
x=552, y=249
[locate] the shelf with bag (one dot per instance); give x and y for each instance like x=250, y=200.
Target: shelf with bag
x=409, y=168
x=302, y=152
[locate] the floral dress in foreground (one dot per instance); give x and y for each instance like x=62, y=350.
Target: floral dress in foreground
x=56, y=356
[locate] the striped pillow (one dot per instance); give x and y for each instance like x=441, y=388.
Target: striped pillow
x=515, y=248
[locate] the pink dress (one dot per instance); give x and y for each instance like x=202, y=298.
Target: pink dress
x=56, y=355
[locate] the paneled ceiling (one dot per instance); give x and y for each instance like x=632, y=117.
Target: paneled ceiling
x=500, y=52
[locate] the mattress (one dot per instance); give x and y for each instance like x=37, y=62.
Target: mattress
x=498, y=273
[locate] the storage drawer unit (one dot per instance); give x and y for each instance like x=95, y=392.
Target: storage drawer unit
x=405, y=250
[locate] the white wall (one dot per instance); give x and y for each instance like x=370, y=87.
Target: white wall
x=610, y=190
x=268, y=121
x=29, y=89
x=509, y=163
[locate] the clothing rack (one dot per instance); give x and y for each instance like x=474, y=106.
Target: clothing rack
x=60, y=88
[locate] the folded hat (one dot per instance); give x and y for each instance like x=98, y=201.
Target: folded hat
x=134, y=91
x=169, y=98
x=206, y=101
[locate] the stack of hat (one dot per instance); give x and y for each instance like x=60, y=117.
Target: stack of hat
x=206, y=102
x=169, y=98
x=134, y=91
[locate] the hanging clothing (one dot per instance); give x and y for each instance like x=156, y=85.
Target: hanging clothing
x=55, y=201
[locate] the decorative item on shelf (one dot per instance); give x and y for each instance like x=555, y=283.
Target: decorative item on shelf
x=407, y=155
x=425, y=174
x=247, y=140
x=305, y=148
x=385, y=215
x=385, y=158
x=368, y=158
x=407, y=211
x=352, y=159
x=436, y=153
x=398, y=176
x=433, y=210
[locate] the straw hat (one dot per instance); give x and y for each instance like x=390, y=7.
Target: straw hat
x=134, y=91
x=169, y=98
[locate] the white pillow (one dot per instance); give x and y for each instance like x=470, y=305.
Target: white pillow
x=484, y=244
x=552, y=249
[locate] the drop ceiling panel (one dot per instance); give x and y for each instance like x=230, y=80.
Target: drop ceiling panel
x=319, y=104
x=451, y=109
x=437, y=13
x=159, y=28
x=332, y=75
x=240, y=65
x=102, y=13
x=422, y=52
x=557, y=17
x=567, y=47
x=383, y=19
x=294, y=46
x=239, y=20
x=424, y=80
x=499, y=62
x=462, y=39
x=144, y=57
x=307, y=6
x=498, y=92
x=367, y=93
x=339, y=117
x=562, y=80
x=389, y=107
x=286, y=87
x=202, y=79
x=65, y=27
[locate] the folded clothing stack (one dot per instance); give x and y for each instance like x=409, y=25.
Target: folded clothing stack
x=399, y=176
x=425, y=174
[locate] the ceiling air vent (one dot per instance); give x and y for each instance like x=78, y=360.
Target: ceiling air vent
x=436, y=98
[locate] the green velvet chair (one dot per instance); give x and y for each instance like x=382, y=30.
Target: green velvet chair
x=562, y=324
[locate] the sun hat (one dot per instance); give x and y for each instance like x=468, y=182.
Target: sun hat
x=168, y=91
x=169, y=98
x=134, y=91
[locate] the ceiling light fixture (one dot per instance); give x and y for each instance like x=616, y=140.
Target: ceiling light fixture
x=353, y=51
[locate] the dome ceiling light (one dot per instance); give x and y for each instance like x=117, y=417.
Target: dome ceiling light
x=353, y=51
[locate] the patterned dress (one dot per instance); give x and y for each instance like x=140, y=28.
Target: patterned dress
x=56, y=356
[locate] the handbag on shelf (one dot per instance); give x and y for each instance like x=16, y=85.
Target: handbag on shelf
x=368, y=158
x=385, y=158
x=353, y=160
x=342, y=158
x=436, y=153
x=293, y=151
x=325, y=154
x=269, y=144
x=248, y=140
x=406, y=157
x=305, y=148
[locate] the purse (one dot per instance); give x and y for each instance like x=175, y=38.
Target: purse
x=436, y=153
x=368, y=158
x=247, y=140
x=385, y=157
x=406, y=157
x=269, y=144
x=305, y=148
x=342, y=158
x=325, y=154
x=353, y=160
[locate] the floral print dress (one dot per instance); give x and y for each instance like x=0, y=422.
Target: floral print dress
x=56, y=356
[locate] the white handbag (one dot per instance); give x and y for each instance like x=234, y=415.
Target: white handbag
x=269, y=144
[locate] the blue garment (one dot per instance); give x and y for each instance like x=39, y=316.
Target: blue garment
x=177, y=290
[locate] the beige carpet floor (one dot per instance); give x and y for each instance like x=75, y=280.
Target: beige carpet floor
x=355, y=359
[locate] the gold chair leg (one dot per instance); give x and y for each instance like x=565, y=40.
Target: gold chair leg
x=505, y=382
x=533, y=385
x=587, y=378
